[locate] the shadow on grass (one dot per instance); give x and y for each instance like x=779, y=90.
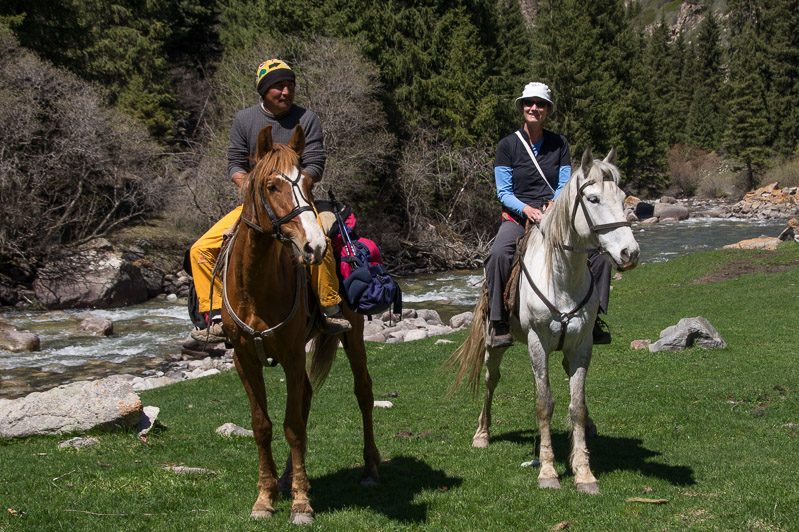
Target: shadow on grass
x=610, y=454
x=402, y=479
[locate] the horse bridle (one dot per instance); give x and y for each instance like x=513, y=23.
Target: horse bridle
x=593, y=228
x=277, y=233
x=276, y=222
x=564, y=317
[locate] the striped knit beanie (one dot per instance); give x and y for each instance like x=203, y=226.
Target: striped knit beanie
x=270, y=72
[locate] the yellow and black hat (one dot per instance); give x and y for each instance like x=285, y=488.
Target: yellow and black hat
x=270, y=72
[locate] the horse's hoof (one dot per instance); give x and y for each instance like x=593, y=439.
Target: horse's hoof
x=262, y=514
x=549, y=483
x=369, y=482
x=301, y=518
x=591, y=488
x=480, y=442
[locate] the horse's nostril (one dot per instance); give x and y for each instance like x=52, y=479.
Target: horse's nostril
x=308, y=250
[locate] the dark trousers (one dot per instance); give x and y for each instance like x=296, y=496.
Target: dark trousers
x=498, y=264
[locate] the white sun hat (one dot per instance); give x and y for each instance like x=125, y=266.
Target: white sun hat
x=536, y=89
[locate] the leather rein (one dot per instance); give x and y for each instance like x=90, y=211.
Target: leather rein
x=564, y=317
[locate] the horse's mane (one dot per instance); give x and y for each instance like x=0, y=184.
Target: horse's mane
x=556, y=223
x=280, y=158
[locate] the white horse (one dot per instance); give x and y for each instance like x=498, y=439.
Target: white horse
x=558, y=307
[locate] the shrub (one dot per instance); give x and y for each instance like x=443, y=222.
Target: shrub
x=688, y=167
x=70, y=169
x=786, y=174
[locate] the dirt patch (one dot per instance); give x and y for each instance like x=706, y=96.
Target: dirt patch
x=756, y=264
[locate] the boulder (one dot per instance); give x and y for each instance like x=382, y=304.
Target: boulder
x=668, y=199
x=79, y=406
x=688, y=332
x=96, y=326
x=644, y=210
x=791, y=231
x=231, y=429
x=153, y=277
x=462, y=320
x=430, y=316
x=668, y=210
x=17, y=340
x=756, y=243
x=94, y=276
x=416, y=334
x=630, y=202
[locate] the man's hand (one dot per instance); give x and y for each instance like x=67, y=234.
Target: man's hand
x=238, y=178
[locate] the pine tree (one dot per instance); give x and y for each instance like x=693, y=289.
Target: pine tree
x=706, y=115
x=749, y=130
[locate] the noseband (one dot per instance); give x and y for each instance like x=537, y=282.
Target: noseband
x=274, y=221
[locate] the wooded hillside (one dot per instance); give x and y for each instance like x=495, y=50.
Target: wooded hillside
x=413, y=97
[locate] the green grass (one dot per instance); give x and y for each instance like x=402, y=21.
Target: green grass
x=714, y=433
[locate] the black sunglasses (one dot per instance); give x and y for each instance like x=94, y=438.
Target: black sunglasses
x=541, y=104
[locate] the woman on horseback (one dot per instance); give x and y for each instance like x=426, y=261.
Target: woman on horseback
x=531, y=167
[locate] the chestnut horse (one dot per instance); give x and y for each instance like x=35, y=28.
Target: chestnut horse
x=558, y=307
x=266, y=317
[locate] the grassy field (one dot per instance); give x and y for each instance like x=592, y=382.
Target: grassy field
x=714, y=434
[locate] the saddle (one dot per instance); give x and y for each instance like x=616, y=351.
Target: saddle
x=511, y=293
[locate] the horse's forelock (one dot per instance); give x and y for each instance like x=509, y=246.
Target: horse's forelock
x=280, y=158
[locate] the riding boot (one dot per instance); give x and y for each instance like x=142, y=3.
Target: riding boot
x=214, y=333
x=500, y=335
x=334, y=320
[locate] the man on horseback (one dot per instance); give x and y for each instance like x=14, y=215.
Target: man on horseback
x=531, y=167
x=275, y=83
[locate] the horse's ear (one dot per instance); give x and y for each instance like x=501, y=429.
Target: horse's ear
x=264, y=145
x=611, y=157
x=297, y=142
x=587, y=162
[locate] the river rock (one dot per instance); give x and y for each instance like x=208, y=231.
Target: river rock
x=231, y=429
x=644, y=210
x=689, y=332
x=762, y=242
x=77, y=443
x=93, y=276
x=430, y=316
x=141, y=384
x=669, y=210
x=152, y=275
x=791, y=231
x=668, y=199
x=17, y=340
x=416, y=334
x=79, y=406
x=96, y=326
x=462, y=320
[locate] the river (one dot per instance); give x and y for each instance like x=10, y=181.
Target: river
x=144, y=334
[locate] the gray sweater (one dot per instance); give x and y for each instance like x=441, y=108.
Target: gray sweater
x=250, y=121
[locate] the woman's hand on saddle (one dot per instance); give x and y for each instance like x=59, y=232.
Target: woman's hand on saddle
x=532, y=214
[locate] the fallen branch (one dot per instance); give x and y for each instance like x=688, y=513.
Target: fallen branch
x=92, y=513
x=65, y=474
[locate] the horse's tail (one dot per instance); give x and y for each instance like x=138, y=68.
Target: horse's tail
x=324, y=353
x=469, y=356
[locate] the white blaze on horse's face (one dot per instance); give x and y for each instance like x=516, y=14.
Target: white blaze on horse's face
x=314, y=246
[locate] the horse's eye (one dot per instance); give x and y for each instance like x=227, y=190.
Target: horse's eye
x=593, y=199
x=271, y=187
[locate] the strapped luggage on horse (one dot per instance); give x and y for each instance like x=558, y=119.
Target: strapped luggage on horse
x=368, y=288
